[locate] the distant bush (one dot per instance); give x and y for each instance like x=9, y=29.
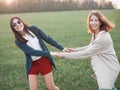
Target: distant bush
x=49, y=5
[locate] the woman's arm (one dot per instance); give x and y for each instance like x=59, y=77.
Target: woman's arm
x=96, y=47
x=48, y=39
x=81, y=48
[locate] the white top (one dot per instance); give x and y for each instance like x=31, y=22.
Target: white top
x=104, y=61
x=33, y=43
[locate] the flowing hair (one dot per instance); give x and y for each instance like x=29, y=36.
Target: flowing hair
x=17, y=35
x=105, y=23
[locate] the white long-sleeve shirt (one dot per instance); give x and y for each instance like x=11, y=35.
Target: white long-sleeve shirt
x=104, y=60
x=34, y=43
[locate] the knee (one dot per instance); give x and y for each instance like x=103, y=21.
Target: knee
x=33, y=87
x=53, y=87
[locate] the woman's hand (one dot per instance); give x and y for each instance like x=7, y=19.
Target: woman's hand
x=68, y=50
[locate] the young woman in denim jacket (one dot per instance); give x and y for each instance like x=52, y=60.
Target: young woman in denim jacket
x=38, y=59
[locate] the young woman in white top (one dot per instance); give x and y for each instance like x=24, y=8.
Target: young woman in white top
x=30, y=39
x=104, y=60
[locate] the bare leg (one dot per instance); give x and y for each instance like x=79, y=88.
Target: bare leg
x=48, y=78
x=33, y=82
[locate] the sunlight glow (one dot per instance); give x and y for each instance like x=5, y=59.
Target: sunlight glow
x=9, y=1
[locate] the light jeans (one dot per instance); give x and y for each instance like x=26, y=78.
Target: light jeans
x=109, y=89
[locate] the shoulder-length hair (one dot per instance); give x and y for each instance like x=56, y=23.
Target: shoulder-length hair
x=17, y=35
x=105, y=23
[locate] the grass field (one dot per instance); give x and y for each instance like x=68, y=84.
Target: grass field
x=69, y=29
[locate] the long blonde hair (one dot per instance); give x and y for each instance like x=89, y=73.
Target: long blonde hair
x=105, y=23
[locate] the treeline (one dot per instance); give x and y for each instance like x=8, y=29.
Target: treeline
x=19, y=6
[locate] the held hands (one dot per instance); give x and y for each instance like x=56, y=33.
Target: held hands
x=68, y=50
x=61, y=54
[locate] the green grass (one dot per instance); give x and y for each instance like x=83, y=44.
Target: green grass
x=69, y=29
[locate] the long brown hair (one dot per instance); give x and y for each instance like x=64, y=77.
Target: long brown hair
x=105, y=23
x=16, y=34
